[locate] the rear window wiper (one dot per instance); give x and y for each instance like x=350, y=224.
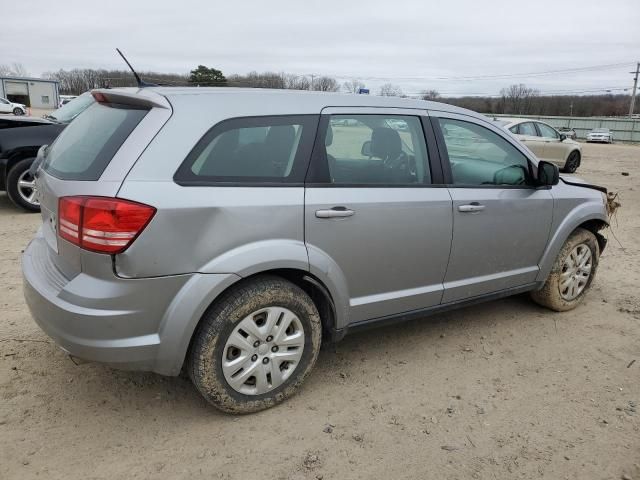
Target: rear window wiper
x=52, y=118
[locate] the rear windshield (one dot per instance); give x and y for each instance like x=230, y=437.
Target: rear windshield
x=84, y=149
x=71, y=109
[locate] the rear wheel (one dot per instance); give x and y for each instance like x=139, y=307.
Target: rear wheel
x=21, y=186
x=255, y=347
x=572, y=273
x=18, y=111
x=573, y=162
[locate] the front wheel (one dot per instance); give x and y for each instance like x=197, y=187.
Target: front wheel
x=255, y=346
x=573, y=162
x=21, y=186
x=572, y=273
x=18, y=111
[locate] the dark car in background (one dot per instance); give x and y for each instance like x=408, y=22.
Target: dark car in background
x=20, y=140
x=568, y=132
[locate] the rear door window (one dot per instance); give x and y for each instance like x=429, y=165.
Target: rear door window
x=251, y=150
x=528, y=128
x=84, y=149
x=376, y=150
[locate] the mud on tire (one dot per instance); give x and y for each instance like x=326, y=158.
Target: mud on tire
x=550, y=295
x=220, y=321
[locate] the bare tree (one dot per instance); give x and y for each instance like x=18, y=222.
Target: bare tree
x=353, y=86
x=325, y=84
x=77, y=81
x=518, y=99
x=390, y=90
x=297, y=82
x=430, y=95
x=15, y=70
x=19, y=70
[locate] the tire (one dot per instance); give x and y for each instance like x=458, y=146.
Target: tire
x=572, y=163
x=18, y=195
x=18, y=111
x=213, y=345
x=552, y=295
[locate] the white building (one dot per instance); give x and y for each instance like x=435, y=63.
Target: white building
x=32, y=92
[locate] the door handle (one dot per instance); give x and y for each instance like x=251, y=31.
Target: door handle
x=335, y=212
x=472, y=207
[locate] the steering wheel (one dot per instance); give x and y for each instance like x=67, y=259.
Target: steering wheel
x=396, y=163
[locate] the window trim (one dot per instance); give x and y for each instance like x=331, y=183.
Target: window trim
x=318, y=173
x=183, y=176
x=444, y=153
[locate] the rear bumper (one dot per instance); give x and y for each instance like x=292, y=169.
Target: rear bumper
x=121, y=322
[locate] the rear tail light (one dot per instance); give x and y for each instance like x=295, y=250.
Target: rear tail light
x=101, y=224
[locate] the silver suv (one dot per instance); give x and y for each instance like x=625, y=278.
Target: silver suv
x=229, y=232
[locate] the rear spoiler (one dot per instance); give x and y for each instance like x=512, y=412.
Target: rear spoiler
x=137, y=98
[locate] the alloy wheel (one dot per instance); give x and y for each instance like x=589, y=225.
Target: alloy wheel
x=27, y=188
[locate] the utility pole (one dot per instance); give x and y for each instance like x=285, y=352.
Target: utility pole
x=311, y=85
x=571, y=109
x=635, y=87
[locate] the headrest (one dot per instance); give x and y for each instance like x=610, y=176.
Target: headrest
x=328, y=139
x=281, y=134
x=385, y=143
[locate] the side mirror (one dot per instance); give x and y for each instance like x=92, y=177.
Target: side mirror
x=366, y=149
x=563, y=137
x=548, y=174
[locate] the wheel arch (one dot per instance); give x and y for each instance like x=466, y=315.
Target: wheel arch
x=177, y=333
x=589, y=216
x=12, y=157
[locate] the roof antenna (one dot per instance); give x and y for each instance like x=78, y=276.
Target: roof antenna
x=141, y=83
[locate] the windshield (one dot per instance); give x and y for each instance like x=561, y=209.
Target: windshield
x=72, y=109
x=601, y=130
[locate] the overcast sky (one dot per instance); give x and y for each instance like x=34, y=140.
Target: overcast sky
x=413, y=44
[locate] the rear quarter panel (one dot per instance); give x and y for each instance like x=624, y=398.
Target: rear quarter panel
x=210, y=229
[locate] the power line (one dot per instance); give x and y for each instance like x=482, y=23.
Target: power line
x=543, y=93
x=592, y=68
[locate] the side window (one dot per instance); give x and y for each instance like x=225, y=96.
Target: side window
x=376, y=149
x=255, y=149
x=514, y=129
x=546, y=131
x=479, y=156
x=529, y=129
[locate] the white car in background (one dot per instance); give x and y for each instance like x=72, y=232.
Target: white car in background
x=8, y=107
x=546, y=142
x=600, y=135
x=64, y=99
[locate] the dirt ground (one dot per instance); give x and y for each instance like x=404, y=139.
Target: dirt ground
x=498, y=391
